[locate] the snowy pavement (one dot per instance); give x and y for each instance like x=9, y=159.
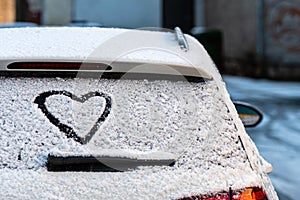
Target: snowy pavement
x=278, y=136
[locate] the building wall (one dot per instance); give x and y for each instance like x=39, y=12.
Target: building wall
x=237, y=19
x=7, y=11
x=56, y=12
x=199, y=11
x=119, y=13
x=282, y=32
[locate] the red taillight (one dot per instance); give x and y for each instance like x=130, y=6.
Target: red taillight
x=259, y=194
x=254, y=193
x=57, y=66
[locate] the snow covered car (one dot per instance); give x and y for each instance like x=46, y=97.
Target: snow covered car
x=96, y=113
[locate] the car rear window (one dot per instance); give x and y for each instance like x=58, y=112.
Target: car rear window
x=188, y=119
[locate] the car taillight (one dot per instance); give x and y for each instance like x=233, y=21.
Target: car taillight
x=254, y=193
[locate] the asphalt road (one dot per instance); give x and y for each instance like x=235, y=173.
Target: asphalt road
x=278, y=136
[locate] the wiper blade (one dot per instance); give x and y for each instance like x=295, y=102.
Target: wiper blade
x=101, y=164
x=106, y=160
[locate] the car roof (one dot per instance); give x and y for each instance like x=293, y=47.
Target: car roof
x=104, y=45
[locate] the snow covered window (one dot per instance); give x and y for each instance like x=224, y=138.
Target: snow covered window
x=188, y=119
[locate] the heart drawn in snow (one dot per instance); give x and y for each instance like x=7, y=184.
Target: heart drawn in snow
x=69, y=131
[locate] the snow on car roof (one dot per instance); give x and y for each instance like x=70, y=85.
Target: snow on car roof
x=79, y=43
x=99, y=44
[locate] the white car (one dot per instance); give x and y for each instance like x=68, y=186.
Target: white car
x=97, y=113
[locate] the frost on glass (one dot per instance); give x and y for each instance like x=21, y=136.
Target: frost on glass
x=187, y=119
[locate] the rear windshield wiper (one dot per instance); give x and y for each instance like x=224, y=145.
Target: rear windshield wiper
x=107, y=163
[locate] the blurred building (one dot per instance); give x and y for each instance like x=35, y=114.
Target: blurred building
x=7, y=11
x=28, y=11
x=258, y=37
x=281, y=37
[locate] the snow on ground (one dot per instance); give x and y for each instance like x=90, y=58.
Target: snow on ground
x=277, y=137
x=190, y=120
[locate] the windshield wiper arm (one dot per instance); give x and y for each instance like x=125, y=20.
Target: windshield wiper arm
x=101, y=163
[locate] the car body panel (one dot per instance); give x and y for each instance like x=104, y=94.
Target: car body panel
x=98, y=45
